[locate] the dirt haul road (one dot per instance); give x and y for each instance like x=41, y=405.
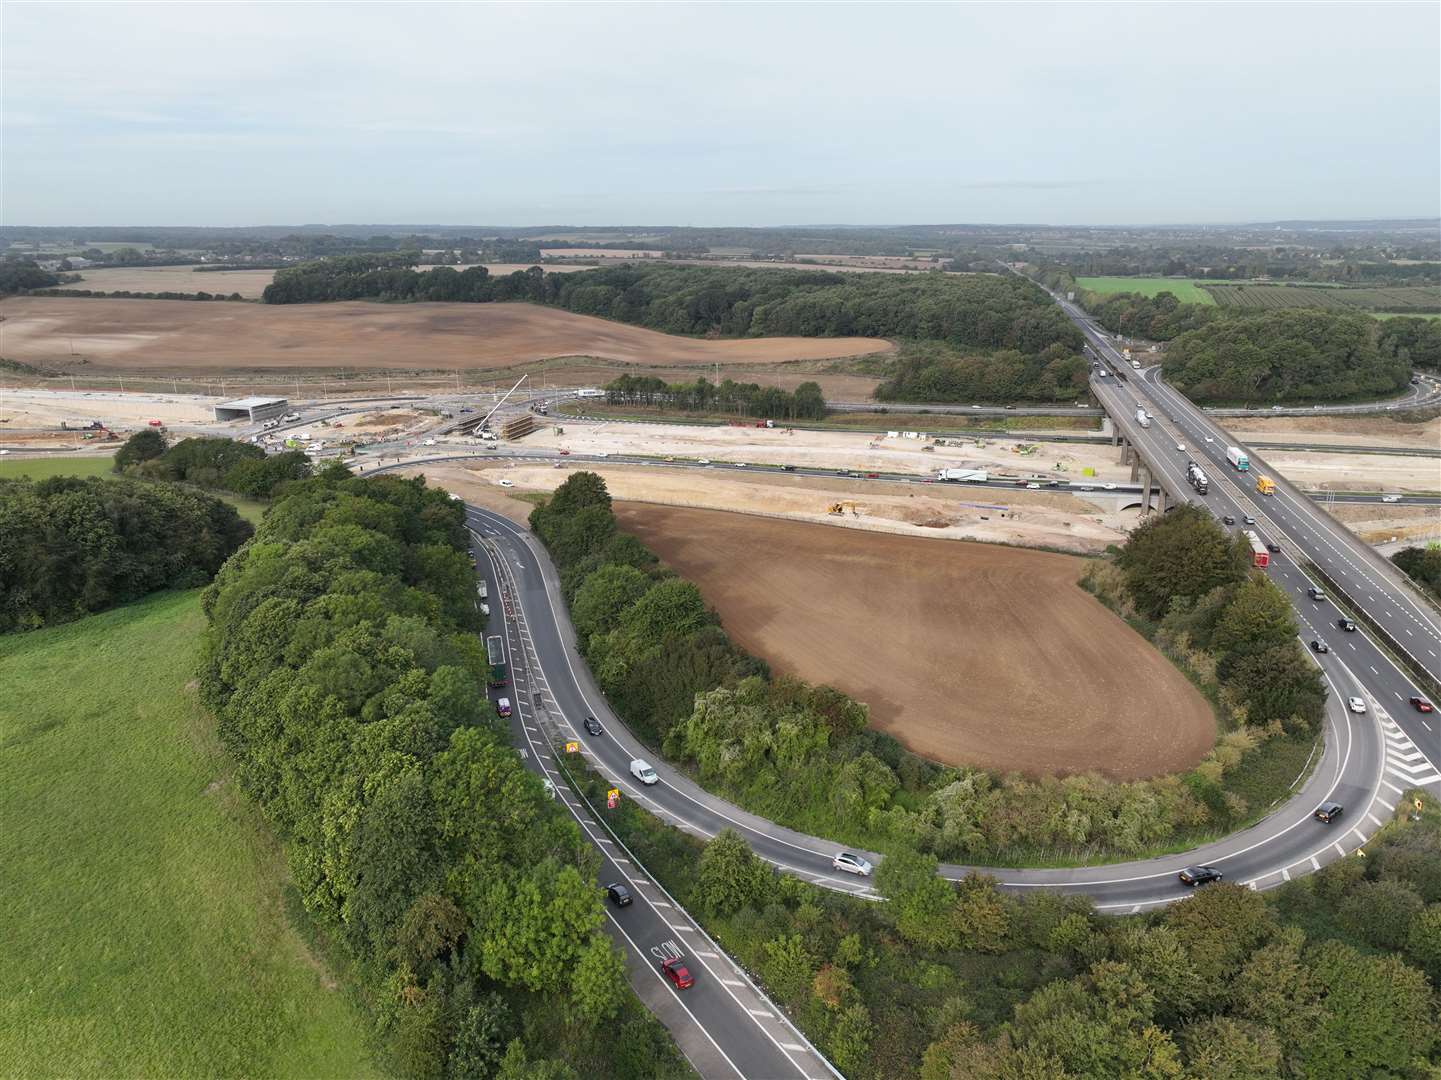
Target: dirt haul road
x=189, y=336
x=966, y=653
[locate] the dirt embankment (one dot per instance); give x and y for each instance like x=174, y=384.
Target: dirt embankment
x=188, y=336
x=967, y=653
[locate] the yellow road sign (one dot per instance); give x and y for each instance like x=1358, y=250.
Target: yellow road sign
x=572, y=748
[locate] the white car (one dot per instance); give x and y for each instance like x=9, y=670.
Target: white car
x=1209, y=439
x=1033, y=487
x=704, y=460
x=506, y=483
x=485, y=609
x=740, y=464
x=429, y=442
x=642, y=771
x=1357, y=705
x=852, y=864
x=1390, y=498
x=1181, y=447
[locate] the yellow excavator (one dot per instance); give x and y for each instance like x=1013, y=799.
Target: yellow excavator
x=840, y=508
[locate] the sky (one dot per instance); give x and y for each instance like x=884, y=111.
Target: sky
x=719, y=114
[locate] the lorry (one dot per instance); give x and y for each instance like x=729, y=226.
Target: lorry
x=1142, y=417
x=1238, y=459
x=495, y=655
x=1265, y=485
x=482, y=589
x=962, y=476
x=1259, y=555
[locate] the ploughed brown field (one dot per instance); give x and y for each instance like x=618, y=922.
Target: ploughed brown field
x=970, y=654
x=186, y=336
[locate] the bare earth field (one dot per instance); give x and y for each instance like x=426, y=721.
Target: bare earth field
x=248, y=283
x=187, y=337
x=967, y=653
x=1340, y=430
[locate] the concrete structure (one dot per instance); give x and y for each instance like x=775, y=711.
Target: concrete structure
x=517, y=427
x=251, y=408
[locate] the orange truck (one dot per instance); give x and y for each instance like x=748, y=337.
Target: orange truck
x=1265, y=485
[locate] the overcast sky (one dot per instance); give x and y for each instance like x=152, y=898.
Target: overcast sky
x=725, y=114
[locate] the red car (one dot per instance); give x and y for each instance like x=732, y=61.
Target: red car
x=677, y=973
x=1420, y=704
x=565, y=453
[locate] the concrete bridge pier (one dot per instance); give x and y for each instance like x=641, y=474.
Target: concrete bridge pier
x=1125, y=450
x=1145, y=488
x=1136, y=467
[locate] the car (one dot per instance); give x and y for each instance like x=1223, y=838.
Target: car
x=788, y=468
x=502, y=706
x=873, y=476
x=1319, y=646
x=1346, y=625
x=618, y=894
x=1034, y=487
x=642, y=771
x=1357, y=705
x=1010, y=408
x=1276, y=408
x=1181, y=447
x=1390, y=498
x=703, y=461
x=466, y=409
x=1316, y=594
x=485, y=609
x=1249, y=520
x=852, y=863
x=1420, y=704
x=1328, y=812
x=1199, y=875
x=679, y=976
x=1209, y=439
x=506, y=483
x=565, y=453
x=1273, y=547
x=592, y=725
x=1229, y=519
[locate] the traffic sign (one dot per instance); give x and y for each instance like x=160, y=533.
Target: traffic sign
x=613, y=794
x=572, y=747
x=610, y=803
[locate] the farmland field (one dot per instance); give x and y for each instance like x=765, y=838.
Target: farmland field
x=1396, y=300
x=187, y=337
x=1188, y=292
x=145, y=925
x=967, y=653
x=187, y=279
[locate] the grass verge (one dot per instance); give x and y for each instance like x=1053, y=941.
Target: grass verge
x=145, y=919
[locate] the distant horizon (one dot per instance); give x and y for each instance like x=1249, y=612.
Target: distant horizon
x=1419, y=219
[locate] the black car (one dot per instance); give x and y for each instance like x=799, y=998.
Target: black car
x=592, y=725
x=1199, y=875
x=1346, y=625
x=1229, y=519
x=788, y=468
x=1273, y=547
x=1328, y=812
x=618, y=895
x=1317, y=645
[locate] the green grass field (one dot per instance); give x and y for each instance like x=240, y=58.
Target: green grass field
x=1188, y=292
x=66, y=465
x=145, y=930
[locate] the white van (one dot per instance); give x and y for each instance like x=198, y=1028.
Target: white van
x=642, y=771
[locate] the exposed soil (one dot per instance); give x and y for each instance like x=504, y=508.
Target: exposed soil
x=967, y=653
x=189, y=336
x=1380, y=430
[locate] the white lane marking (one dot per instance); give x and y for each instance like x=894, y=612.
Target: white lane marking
x=762, y=1012
x=732, y=982
x=1315, y=863
x=1285, y=874
x=659, y=903
x=1374, y=819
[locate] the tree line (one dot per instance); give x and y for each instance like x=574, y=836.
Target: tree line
x=70, y=547
x=1333, y=974
x=342, y=663
x=241, y=468
x=23, y=276
x=1422, y=565
x=982, y=310
x=804, y=756
x=742, y=399
x=1293, y=354
x=934, y=371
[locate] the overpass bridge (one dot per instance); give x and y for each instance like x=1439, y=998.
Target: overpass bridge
x=1160, y=488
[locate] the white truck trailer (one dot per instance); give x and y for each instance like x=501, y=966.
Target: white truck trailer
x=1238, y=459
x=964, y=476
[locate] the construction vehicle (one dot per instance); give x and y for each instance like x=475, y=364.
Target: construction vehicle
x=1265, y=485
x=839, y=509
x=495, y=654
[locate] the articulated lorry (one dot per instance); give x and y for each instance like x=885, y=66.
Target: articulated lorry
x=962, y=476
x=1260, y=556
x=495, y=655
x=1238, y=459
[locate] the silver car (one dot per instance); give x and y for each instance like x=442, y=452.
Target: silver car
x=852, y=864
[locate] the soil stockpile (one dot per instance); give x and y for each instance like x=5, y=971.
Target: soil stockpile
x=967, y=653
x=189, y=336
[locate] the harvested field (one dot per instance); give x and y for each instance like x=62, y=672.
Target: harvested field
x=1398, y=299
x=967, y=653
x=187, y=337
x=188, y=279
x=1380, y=430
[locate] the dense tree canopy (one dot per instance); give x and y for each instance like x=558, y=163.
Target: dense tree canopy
x=71, y=546
x=934, y=371
x=342, y=664
x=1291, y=354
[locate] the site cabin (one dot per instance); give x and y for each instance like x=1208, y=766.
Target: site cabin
x=1259, y=555
x=1265, y=485
x=1238, y=459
